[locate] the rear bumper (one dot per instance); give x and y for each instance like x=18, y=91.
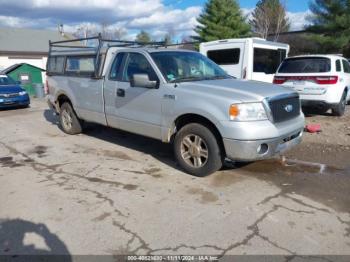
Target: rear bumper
x=317, y=103
x=330, y=97
x=261, y=149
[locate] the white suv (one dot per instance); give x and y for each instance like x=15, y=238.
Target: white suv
x=321, y=80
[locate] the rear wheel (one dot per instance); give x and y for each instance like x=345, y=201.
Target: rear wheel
x=69, y=121
x=197, y=150
x=339, y=109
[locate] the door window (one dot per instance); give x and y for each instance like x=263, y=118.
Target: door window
x=346, y=66
x=268, y=60
x=225, y=56
x=338, y=65
x=138, y=64
x=116, y=73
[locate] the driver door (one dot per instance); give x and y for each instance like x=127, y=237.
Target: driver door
x=134, y=109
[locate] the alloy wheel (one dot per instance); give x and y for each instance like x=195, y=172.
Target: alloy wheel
x=194, y=151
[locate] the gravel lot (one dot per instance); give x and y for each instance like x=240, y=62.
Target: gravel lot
x=107, y=192
x=331, y=146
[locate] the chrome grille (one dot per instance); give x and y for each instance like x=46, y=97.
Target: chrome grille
x=284, y=108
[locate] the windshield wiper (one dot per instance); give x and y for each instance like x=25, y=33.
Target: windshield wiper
x=186, y=79
x=192, y=78
x=217, y=77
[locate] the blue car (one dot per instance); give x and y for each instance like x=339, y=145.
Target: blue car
x=12, y=94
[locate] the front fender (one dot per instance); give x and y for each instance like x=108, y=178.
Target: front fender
x=214, y=112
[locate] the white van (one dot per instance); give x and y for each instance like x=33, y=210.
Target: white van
x=247, y=58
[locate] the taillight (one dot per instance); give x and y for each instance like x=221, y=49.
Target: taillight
x=278, y=80
x=326, y=80
x=321, y=80
x=46, y=87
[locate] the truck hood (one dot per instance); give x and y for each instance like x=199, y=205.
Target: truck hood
x=243, y=90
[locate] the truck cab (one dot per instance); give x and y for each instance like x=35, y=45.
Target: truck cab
x=175, y=96
x=247, y=58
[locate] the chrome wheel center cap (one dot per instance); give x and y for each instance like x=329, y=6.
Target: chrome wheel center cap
x=195, y=151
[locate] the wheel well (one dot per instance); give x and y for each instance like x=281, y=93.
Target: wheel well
x=183, y=120
x=62, y=99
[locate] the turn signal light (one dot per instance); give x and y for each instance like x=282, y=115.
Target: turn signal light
x=234, y=111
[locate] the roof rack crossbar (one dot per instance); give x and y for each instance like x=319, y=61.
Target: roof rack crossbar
x=102, y=40
x=72, y=46
x=76, y=40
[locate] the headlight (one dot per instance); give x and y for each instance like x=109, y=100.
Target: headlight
x=247, y=112
x=22, y=93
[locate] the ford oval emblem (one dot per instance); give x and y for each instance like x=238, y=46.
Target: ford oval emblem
x=288, y=108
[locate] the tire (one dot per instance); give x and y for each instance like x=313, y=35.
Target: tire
x=69, y=121
x=339, y=109
x=197, y=150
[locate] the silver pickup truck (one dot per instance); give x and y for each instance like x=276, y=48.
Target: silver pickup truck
x=176, y=96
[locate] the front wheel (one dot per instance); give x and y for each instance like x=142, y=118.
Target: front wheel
x=197, y=150
x=339, y=109
x=69, y=121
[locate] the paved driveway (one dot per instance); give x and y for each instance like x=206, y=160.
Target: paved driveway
x=108, y=192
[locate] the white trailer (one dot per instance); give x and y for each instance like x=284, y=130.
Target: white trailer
x=247, y=58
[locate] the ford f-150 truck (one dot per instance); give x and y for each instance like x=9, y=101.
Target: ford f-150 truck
x=176, y=96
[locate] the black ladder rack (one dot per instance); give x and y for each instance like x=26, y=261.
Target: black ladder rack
x=62, y=46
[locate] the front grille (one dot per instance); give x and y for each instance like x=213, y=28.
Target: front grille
x=9, y=95
x=284, y=108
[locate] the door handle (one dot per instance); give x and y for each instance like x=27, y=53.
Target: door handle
x=120, y=92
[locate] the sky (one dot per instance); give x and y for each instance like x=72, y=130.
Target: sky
x=292, y=5
x=158, y=17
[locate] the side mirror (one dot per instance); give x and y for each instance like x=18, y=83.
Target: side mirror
x=18, y=82
x=142, y=80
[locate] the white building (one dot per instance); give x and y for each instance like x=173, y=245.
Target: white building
x=31, y=46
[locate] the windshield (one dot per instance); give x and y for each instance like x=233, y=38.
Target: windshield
x=306, y=65
x=6, y=80
x=187, y=66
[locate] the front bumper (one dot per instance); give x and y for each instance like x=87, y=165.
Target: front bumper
x=241, y=150
x=14, y=101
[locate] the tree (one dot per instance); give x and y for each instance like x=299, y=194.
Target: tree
x=111, y=33
x=221, y=19
x=84, y=31
x=269, y=18
x=143, y=37
x=330, y=21
x=300, y=43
